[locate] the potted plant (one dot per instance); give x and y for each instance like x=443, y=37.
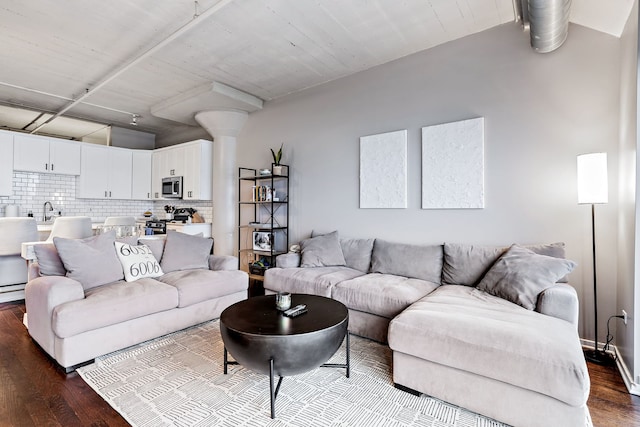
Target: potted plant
x=277, y=169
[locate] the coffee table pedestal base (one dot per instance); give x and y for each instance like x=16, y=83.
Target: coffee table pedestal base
x=274, y=392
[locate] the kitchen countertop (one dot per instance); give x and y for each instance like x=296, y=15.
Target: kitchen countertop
x=48, y=225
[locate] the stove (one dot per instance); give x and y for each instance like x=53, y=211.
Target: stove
x=157, y=226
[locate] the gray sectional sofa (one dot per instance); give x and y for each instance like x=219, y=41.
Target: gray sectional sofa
x=491, y=329
x=89, y=297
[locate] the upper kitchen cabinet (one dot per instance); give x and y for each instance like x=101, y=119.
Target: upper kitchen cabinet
x=34, y=153
x=198, y=171
x=141, y=175
x=192, y=161
x=106, y=173
x=6, y=164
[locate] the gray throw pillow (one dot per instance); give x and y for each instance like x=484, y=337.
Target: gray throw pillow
x=48, y=260
x=465, y=264
x=156, y=246
x=185, y=252
x=321, y=251
x=416, y=261
x=357, y=252
x=91, y=261
x=520, y=275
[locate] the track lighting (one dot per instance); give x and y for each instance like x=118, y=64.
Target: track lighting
x=134, y=120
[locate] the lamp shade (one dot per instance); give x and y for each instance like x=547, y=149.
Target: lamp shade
x=592, y=178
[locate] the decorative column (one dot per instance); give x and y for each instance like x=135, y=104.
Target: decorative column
x=224, y=127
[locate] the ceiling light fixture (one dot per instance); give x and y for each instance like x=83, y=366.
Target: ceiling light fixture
x=134, y=120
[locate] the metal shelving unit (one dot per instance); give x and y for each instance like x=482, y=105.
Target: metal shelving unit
x=263, y=219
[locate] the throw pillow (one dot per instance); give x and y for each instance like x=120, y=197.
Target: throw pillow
x=185, y=252
x=137, y=261
x=91, y=261
x=156, y=246
x=321, y=251
x=519, y=275
x=357, y=252
x=48, y=260
x=466, y=264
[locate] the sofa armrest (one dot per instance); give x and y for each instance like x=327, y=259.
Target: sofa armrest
x=561, y=301
x=42, y=296
x=288, y=260
x=223, y=262
x=33, y=271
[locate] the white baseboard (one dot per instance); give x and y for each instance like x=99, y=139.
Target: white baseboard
x=11, y=296
x=632, y=386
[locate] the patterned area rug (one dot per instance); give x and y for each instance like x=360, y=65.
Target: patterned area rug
x=178, y=380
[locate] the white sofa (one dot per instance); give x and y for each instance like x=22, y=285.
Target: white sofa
x=77, y=312
x=448, y=313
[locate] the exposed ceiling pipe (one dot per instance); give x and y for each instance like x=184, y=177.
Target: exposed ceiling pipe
x=197, y=19
x=547, y=21
x=66, y=98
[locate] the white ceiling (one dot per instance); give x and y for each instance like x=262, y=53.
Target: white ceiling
x=55, y=51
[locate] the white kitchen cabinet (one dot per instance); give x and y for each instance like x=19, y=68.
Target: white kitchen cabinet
x=35, y=153
x=105, y=173
x=6, y=164
x=64, y=157
x=158, y=158
x=141, y=175
x=198, y=170
x=192, y=161
x=31, y=153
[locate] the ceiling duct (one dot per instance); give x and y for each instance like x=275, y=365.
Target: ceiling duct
x=548, y=22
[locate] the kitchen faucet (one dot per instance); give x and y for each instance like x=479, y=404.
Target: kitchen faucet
x=44, y=211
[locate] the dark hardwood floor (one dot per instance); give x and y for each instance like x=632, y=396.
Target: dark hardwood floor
x=34, y=392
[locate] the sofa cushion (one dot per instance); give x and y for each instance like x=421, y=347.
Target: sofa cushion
x=357, y=253
x=185, y=252
x=466, y=264
x=519, y=275
x=156, y=246
x=419, y=262
x=137, y=261
x=48, y=260
x=195, y=286
x=385, y=295
x=91, y=261
x=113, y=303
x=467, y=329
x=315, y=281
x=321, y=251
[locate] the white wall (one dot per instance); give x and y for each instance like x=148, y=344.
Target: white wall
x=627, y=188
x=540, y=111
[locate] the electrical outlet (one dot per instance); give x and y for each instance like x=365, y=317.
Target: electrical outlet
x=624, y=317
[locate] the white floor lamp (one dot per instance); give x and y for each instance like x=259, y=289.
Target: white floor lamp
x=593, y=189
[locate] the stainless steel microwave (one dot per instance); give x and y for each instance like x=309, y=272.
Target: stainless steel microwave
x=172, y=187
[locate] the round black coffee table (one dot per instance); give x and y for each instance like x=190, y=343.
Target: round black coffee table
x=261, y=338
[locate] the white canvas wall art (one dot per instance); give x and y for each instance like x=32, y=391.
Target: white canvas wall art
x=453, y=165
x=383, y=170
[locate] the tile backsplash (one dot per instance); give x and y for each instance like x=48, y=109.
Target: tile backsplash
x=31, y=190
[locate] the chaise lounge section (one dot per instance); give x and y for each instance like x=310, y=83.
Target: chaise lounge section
x=491, y=329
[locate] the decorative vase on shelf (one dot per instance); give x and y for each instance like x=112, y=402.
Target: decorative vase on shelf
x=277, y=170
